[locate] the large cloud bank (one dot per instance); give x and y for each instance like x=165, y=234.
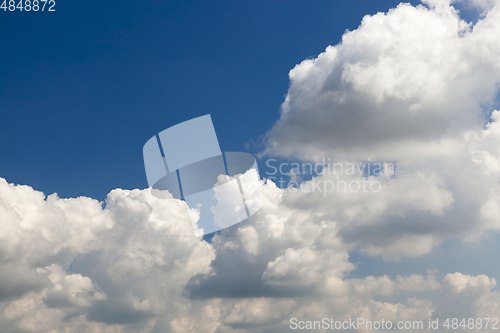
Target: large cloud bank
x=415, y=86
x=73, y=265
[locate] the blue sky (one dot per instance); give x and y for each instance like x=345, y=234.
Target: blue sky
x=83, y=88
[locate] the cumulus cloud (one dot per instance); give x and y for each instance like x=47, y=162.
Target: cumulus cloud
x=71, y=263
x=136, y=272
x=384, y=285
x=415, y=86
x=467, y=296
x=403, y=84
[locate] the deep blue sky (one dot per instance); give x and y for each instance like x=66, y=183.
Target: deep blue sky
x=83, y=88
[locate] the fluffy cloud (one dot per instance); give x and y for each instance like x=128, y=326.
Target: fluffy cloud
x=415, y=86
x=466, y=296
x=384, y=285
x=401, y=85
x=70, y=263
x=136, y=271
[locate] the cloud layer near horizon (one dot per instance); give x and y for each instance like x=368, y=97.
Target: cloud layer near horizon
x=71, y=264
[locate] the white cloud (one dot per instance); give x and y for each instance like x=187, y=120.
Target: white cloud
x=465, y=296
x=132, y=275
x=414, y=86
x=72, y=263
x=402, y=85
x=384, y=285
